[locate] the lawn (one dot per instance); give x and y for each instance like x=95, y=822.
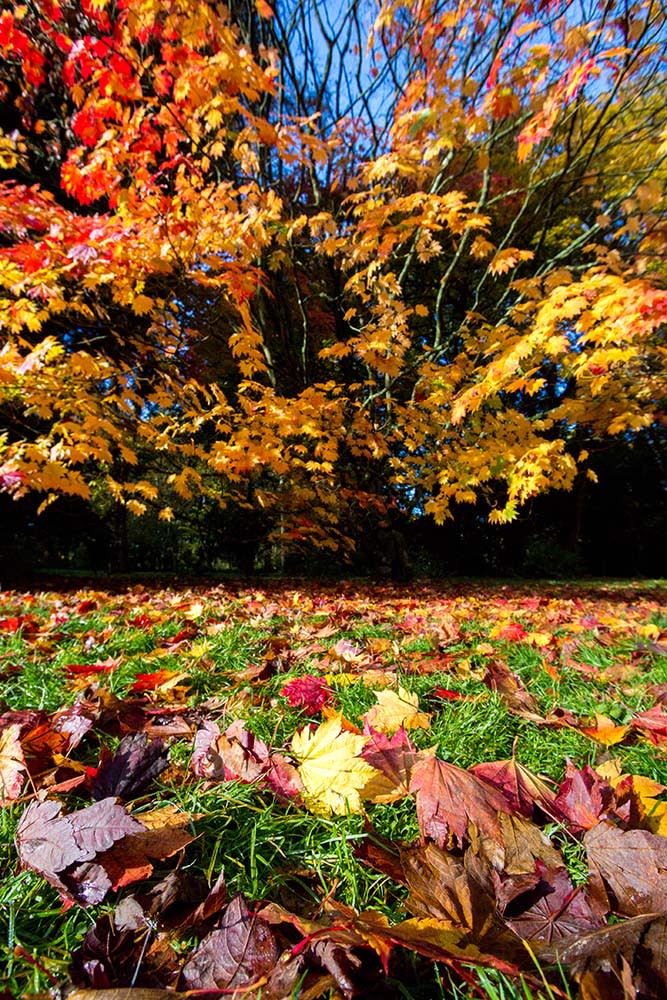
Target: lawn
x=300, y=790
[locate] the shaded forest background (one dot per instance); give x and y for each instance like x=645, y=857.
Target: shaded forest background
x=617, y=527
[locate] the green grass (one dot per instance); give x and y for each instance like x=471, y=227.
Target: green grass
x=271, y=850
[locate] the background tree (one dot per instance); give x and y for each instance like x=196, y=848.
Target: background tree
x=253, y=262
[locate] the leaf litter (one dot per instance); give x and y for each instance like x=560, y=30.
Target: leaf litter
x=335, y=715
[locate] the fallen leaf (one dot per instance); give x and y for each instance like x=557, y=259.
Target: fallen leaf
x=509, y=686
x=632, y=865
x=131, y=769
x=309, y=692
x=459, y=892
x=547, y=906
x=392, y=760
x=599, y=960
x=522, y=789
x=239, y=954
x=331, y=767
x=605, y=731
x=12, y=764
x=448, y=798
x=395, y=710
x=584, y=798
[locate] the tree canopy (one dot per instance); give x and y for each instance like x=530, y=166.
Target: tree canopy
x=310, y=263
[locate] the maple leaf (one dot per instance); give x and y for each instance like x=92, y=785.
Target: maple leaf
x=508, y=685
x=459, y=893
x=632, y=865
x=522, y=789
x=638, y=798
x=159, y=680
x=605, y=731
x=134, y=765
x=628, y=954
x=12, y=764
x=652, y=724
x=60, y=847
x=396, y=709
x=393, y=760
x=521, y=845
x=545, y=905
x=308, y=692
x=584, y=798
x=448, y=798
x=239, y=954
x=331, y=768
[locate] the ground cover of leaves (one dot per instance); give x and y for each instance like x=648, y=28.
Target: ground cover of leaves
x=336, y=791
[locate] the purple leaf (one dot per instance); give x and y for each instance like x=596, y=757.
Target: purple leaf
x=241, y=952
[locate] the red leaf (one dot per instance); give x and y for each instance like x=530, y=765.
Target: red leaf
x=522, y=789
x=308, y=692
x=546, y=906
x=448, y=798
x=150, y=682
x=584, y=797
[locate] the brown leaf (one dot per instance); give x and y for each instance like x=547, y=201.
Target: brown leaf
x=115, y=956
x=523, y=844
x=124, y=993
x=240, y=953
x=439, y=941
x=509, y=686
x=632, y=864
x=460, y=893
x=448, y=798
x=600, y=960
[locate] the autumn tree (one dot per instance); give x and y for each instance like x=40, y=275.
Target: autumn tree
x=312, y=264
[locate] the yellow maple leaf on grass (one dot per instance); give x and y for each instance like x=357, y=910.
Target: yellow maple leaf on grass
x=605, y=731
x=396, y=709
x=651, y=808
x=330, y=768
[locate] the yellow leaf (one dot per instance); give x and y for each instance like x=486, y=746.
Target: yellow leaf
x=539, y=639
x=652, y=811
x=142, y=304
x=394, y=710
x=330, y=768
x=605, y=731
